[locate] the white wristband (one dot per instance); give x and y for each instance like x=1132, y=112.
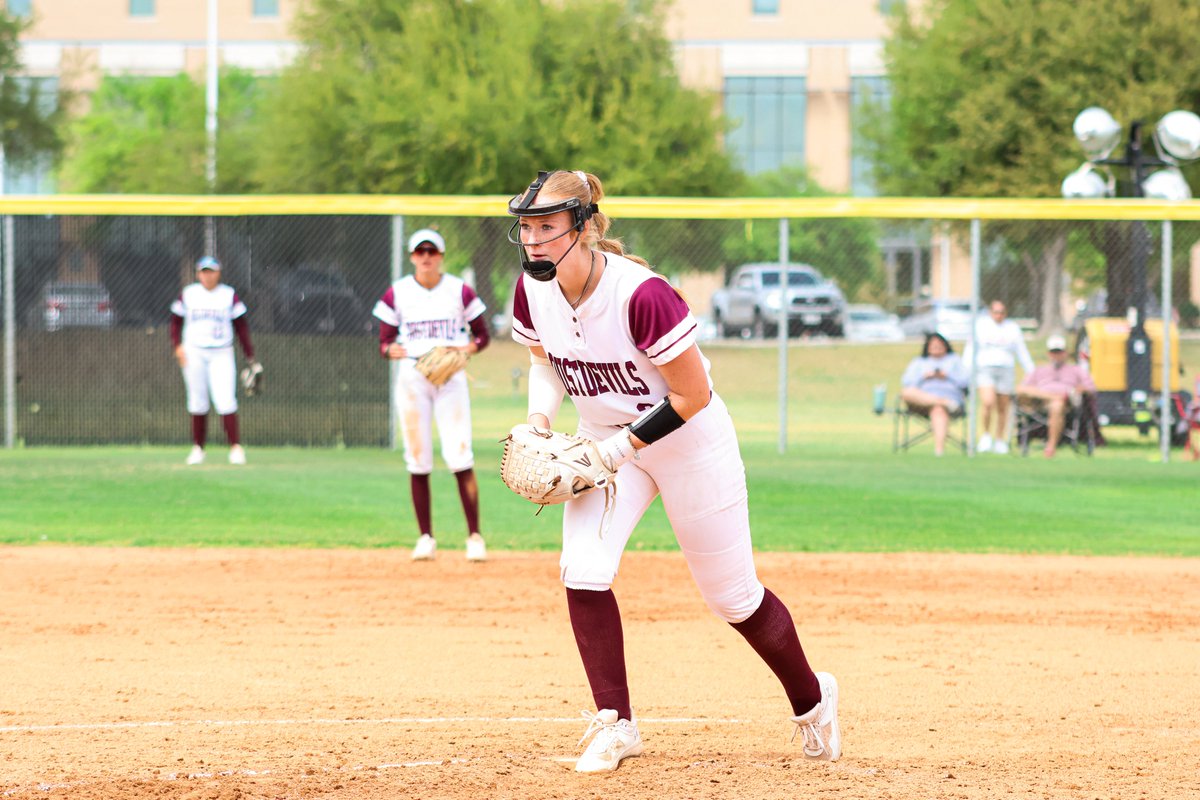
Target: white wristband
x=546, y=391
x=617, y=449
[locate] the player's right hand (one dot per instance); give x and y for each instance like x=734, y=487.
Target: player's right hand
x=180, y=355
x=396, y=351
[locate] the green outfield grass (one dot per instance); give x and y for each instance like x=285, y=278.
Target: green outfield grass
x=838, y=486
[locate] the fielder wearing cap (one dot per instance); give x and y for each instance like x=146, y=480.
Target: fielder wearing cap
x=205, y=319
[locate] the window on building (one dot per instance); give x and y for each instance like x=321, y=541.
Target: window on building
x=764, y=6
x=768, y=117
x=19, y=8
x=141, y=8
x=868, y=95
x=265, y=8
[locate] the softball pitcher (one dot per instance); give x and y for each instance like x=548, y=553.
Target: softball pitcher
x=204, y=319
x=417, y=313
x=606, y=330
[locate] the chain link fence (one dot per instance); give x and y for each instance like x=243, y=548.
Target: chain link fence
x=91, y=282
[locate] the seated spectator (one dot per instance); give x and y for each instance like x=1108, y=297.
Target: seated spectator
x=1054, y=387
x=934, y=384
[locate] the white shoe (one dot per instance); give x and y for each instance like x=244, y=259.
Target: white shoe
x=614, y=740
x=237, y=455
x=196, y=456
x=476, y=549
x=985, y=444
x=425, y=548
x=819, y=727
x=1001, y=448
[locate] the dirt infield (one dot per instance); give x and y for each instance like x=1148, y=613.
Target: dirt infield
x=246, y=674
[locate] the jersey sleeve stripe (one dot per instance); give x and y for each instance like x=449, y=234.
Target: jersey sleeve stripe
x=386, y=313
x=674, y=343
x=474, y=309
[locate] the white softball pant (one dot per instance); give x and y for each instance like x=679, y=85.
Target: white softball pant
x=698, y=471
x=210, y=372
x=420, y=404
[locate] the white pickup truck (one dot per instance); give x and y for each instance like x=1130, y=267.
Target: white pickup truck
x=750, y=304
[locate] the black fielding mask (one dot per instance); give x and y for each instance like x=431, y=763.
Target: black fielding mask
x=522, y=206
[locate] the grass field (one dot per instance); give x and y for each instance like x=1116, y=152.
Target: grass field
x=837, y=488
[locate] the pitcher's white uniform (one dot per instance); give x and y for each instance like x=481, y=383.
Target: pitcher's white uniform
x=427, y=318
x=211, y=369
x=606, y=353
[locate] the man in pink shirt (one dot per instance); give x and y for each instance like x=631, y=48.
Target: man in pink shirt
x=1052, y=386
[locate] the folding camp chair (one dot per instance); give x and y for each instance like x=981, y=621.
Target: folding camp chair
x=911, y=427
x=1081, y=429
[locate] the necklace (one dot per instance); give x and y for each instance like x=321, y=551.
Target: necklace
x=586, y=284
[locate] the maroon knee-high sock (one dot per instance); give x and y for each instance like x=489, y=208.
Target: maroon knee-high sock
x=199, y=430
x=420, y=498
x=596, y=621
x=230, y=421
x=468, y=493
x=772, y=633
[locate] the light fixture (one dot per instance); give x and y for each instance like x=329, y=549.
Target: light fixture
x=1098, y=133
x=1177, y=136
x=1166, y=184
x=1087, y=183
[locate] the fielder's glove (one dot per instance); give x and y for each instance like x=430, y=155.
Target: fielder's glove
x=252, y=378
x=546, y=467
x=441, y=363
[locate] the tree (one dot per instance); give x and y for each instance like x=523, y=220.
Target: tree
x=984, y=95
x=462, y=97
x=31, y=119
x=147, y=135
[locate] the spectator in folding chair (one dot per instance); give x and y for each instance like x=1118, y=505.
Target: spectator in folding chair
x=1055, y=388
x=934, y=385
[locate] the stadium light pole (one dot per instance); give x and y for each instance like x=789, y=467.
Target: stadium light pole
x=1177, y=139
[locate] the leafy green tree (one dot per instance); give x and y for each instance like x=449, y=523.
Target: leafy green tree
x=984, y=95
x=31, y=119
x=473, y=97
x=147, y=135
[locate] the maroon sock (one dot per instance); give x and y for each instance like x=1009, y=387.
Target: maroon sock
x=772, y=633
x=468, y=492
x=596, y=621
x=230, y=422
x=420, y=498
x=199, y=430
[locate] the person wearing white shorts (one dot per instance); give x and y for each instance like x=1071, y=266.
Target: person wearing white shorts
x=999, y=345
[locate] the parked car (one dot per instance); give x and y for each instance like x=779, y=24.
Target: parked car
x=314, y=300
x=73, y=305
x=870, y=323
x=950, y=318
x=749, y=304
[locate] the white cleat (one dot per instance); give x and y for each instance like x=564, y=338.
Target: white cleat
x=1000, y=448
x=196, y=456
x=476, y=549
x=819, y=727
x=613, y=740
x=425, y=548
x=237, y=455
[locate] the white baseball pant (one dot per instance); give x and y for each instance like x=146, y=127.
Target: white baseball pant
x=420, y=404
x=698, y=471
x=210, y=372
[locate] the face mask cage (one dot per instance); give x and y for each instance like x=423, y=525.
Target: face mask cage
x=522, y=205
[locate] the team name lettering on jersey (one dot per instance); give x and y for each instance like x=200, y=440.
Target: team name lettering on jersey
x=432, y=329
x=592, y=378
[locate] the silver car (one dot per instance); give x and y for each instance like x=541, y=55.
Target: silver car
x=75, y=305
x=870, y=323
x=949, y=317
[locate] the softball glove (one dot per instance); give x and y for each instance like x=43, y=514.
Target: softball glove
x=441, y=363
x=252, y=378
x=546, y=467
